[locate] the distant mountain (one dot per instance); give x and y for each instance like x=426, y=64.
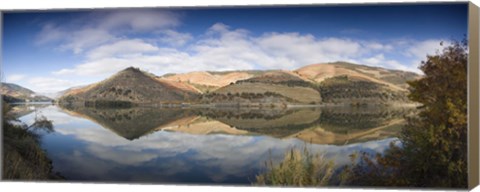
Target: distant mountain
x=208, y=81
x=16, y=93
x=342, y=82
x=56, y=95
x=270, y=88
x=394, y=79
x=337, y=83
x=129, y=86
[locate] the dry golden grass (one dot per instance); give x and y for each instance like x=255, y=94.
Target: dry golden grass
x=298, y=168
x=180, y=85
x=208, y=79
x=320, y=72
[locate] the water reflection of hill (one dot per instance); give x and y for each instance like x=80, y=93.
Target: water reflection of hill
x=336, y=125
x=205, y=126
x=316, y=125
x=347, y=119
x=133, y=123
x=352, y=125
x=20, y=110
x=277, y=123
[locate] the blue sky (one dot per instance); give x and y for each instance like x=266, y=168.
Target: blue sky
x=53, y=50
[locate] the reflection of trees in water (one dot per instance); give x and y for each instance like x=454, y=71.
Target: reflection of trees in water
x=21, y=110
x=283, y=123
x=242, y=113
x=132, y=123
x=277, y=123
x=343, y=120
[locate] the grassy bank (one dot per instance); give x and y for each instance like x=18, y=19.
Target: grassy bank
x=23, y=158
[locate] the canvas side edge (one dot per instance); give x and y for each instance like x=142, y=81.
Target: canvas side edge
x=1, y=95
x=473, y=96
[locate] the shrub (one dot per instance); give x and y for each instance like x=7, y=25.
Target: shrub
x=434, y=143
x=298, y=168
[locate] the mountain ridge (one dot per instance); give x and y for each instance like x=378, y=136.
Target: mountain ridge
x=130, y=85
x=321, y=83
x=15, y=93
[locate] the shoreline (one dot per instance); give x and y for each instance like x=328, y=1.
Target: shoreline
x=247, y=105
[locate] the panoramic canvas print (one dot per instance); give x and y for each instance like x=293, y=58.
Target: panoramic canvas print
x=305, y=96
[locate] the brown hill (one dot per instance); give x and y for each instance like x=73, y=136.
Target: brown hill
x=130, y=86
x=353, y=84
x=277, y=77
x=208, y=81
x=272, y=87
x=263, y=94
x=336, y=83
x=394, y=79
x=330, y=83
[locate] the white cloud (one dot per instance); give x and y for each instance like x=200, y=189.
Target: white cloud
x=222, y=47
x=50, y=33
x=296, y=50
x=85, y=39
x=75, y=40
x=134, y=157
x=379, y=46
x=139, y=20
x=107, y=26
x=47, y=84
x=423, y=48
x=218, y=28
x=103, y=66
x=120, y=48
x=175, y=38
x=15, y=77
x=375, y=60
x=417, y=51
x=379, y=60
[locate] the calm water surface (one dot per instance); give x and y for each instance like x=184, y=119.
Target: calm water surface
x=211, y=146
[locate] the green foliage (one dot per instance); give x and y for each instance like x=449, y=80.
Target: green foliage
x=251, y=97
x=377, y=170
x=434, y=143
x=108, y=104
x=298, y=168
x=10, y=99
x=67, y=100
x=287, y=82
x=437, y=139
x=342, y=87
